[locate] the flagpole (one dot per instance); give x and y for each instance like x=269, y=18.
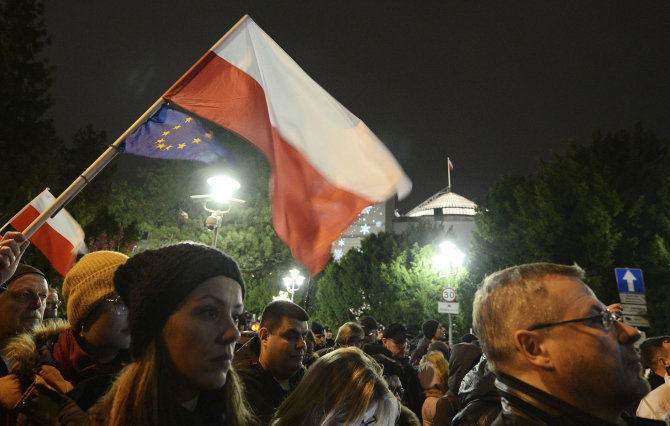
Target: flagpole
x=448, y=175
x=90, y=173
x=187, y=74
x=111, y=152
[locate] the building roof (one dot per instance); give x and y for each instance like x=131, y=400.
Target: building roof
x=450, y=203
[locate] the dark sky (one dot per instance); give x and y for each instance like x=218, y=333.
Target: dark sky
x=495, y=85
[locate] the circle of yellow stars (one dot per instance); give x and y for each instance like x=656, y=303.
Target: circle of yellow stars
x=163, y=145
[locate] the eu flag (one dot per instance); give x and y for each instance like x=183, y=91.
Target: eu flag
x=173, y=135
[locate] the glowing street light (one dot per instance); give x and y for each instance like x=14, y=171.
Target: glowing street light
x=222, y=191
x=447, y=263
x=222, y=188
x=293, y=281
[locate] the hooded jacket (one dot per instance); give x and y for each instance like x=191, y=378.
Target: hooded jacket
x=34, y=369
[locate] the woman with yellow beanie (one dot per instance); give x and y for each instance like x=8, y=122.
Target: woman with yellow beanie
x=95, y=348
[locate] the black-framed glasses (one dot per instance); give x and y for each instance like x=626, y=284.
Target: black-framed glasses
x=606, y=317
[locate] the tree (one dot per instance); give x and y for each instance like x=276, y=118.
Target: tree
x=152, y=203
x=601, y=206
x=27, y=137
x=391, y=278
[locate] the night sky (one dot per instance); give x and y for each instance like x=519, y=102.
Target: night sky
x=494, y=85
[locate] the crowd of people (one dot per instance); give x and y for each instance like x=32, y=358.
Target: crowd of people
x=155, y=340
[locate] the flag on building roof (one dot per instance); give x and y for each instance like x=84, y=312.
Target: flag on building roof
x=172, y=135
x=59, y=239
x=327, y=165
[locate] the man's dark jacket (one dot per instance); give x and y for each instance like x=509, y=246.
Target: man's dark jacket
x=523, y=404
x=263, y=392
x=420, y=351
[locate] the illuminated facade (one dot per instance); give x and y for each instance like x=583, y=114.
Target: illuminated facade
x=454, y=212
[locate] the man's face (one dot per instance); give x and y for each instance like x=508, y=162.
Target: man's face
x=439, y=333
x=329, y=334
x=663, y=358
x=598, y=367
x=282, y=351
x=319, y=339
x=22, y=305
x=396, y=345
x=51, y=310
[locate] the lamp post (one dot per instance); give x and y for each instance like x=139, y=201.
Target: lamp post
x=447, y=263
x=222, y=191
x=293, y=281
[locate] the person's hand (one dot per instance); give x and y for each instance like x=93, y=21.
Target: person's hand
x=51, y=377
x=12, y=247
x=616, y=309
x=10, y=391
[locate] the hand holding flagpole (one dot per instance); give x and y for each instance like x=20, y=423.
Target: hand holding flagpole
x=12, y=247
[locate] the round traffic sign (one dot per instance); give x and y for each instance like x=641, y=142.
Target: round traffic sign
x=449, y=294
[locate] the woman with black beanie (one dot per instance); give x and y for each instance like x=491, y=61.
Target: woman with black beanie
x=184, y=301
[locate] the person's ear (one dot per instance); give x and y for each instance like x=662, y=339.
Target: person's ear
x=263, y=334
x=533, y=347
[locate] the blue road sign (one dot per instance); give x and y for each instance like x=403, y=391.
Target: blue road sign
x=629, y=280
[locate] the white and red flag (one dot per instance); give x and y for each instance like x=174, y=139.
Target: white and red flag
x=59, y=239
x=327, y=165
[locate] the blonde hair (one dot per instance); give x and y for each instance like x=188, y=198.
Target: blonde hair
x=141, y=394
x=353, y=381
x=507, y=301
x=436, y=358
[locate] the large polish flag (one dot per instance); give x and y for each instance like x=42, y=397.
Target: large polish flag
x=327, y=165
x=59, y=239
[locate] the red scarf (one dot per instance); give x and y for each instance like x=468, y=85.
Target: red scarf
x=74, y=363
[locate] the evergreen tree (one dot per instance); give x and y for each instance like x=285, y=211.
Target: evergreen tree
x=28, y=140
x=601, y=206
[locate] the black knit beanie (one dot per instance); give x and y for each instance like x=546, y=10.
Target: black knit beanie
x=23, y=269
x=155, y=282
x=429, y=328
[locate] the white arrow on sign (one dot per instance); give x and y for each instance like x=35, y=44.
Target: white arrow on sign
x=630, y=279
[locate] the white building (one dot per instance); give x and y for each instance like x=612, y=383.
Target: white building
x=454, y=212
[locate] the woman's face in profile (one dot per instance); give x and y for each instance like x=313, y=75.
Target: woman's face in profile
x=200, y=336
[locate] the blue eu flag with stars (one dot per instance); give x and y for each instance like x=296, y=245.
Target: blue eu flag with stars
x=173, y=135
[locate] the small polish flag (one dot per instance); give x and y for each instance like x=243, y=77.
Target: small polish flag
x=59, y=239
x=451, y=165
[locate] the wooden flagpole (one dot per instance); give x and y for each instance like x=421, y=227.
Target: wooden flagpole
x=109, y=154
x=90, y=173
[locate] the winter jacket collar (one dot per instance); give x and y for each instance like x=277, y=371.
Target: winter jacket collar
x=525, y=404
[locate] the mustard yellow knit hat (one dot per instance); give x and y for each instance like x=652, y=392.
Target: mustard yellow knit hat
x=88, y=282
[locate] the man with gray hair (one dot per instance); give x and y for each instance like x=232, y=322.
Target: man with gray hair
x=561, y=356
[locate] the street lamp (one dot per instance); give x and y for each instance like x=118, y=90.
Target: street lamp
x=222, y=191
x=447, y=263
x=293, y=281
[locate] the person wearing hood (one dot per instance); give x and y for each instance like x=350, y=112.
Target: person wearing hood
x=433, y=376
